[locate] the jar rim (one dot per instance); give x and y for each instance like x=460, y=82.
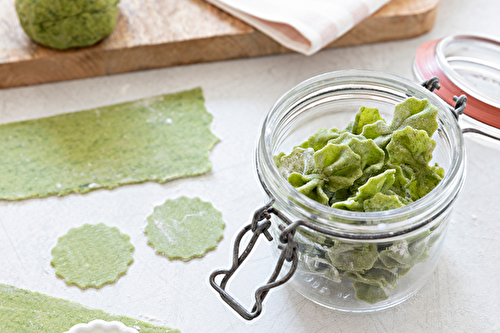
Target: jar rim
x=469, y=54
x=444, y=63
x=349, y=222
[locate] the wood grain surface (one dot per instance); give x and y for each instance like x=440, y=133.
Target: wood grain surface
x=160, y=33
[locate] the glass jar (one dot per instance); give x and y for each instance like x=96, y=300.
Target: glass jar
x=345, y=260
x=358, y=261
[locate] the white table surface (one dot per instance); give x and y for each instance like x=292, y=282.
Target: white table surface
x=463, y=294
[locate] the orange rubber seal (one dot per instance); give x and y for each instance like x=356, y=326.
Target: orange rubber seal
x=425, y=61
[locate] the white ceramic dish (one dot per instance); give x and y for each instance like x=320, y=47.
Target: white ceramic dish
x=100, y=326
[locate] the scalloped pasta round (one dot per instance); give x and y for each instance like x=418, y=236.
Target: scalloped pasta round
x=184, y=228
x=92, y=255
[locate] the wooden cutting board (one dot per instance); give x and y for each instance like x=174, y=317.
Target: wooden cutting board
x=160, y=33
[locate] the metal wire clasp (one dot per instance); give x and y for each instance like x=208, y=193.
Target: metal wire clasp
x=460, y=102
x=260, y=225
x=458, y=110
x=431, y=84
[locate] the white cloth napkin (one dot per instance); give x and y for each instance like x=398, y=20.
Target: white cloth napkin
x=305, y=26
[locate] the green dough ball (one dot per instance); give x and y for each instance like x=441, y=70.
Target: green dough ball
x=62, y=24
x=184, y=228
x=92, y=255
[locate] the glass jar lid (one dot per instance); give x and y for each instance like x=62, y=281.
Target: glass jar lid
x=465, y=64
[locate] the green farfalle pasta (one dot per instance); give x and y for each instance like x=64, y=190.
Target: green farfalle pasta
x=365, y=116
x=353, y=257
x=418, y=114
x=299, y=161
x=381, y=202
x=309, y=185
x=415, y=113
x=370, y=293
x=371, y=156
x=338, y=165
x=320, y=138
x=376, y=277
x=329, y=169
x=375, y=185
x=335, y=167
x=413, y=148
x=371, y=165
x=396, y=255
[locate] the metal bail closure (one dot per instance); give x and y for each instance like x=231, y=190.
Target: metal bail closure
x=460, y=104
x=260, y=225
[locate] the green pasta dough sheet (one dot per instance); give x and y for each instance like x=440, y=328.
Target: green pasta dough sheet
x=158, y=138
x=92, y=255
x=23, y=311
x=184, y=228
